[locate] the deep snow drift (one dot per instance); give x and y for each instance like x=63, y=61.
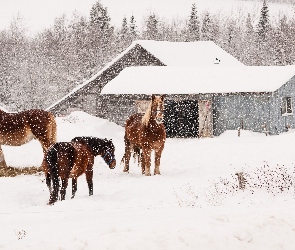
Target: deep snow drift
x=194, y=204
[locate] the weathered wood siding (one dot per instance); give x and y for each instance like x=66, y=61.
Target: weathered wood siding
x=88, y=98
x=258, y=112
x=250, y=111
x=279, y=122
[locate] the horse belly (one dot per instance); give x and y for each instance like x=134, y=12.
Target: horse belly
x=16, y=138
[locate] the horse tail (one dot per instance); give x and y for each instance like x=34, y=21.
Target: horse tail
x=127, y=146
x=52, y=164
x=136, y=154
x=53, y=128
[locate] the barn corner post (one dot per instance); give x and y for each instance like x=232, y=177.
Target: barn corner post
x=2, y=159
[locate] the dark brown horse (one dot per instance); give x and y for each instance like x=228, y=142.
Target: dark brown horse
x=19, y=128
x=66, y=160
x=144, y=133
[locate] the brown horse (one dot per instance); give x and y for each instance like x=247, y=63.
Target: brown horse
x=72, y=159
x=19, y=128
x=146, y=133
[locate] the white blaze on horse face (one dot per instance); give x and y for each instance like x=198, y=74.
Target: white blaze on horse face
x=159, y=114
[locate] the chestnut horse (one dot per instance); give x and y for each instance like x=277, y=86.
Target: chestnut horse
x=72, y=159
x=144, y=133
x=19, y=128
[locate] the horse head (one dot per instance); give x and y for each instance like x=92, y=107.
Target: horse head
x=98, y=146
x=157, y=108
x=109, y=154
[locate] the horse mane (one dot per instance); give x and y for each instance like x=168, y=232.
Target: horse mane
x=146, y=117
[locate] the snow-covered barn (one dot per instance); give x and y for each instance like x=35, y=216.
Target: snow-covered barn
x=207, y=100
x=208, y=90
x=142, y=53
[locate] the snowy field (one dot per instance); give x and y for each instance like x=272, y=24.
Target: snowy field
x=194, y=204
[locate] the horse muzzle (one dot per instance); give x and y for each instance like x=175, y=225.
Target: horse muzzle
x=112, y=164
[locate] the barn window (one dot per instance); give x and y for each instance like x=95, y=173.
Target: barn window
x=287, y=106
x=141, y=106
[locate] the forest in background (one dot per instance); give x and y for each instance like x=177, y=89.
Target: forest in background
x=37, y=71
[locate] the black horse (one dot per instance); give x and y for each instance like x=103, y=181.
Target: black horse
x=72, y=159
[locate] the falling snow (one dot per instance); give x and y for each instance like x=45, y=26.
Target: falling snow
x=196, y=202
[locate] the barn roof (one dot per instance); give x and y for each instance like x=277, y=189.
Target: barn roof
x=198, y=53
x=194, y=80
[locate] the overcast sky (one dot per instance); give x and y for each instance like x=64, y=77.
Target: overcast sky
x=39, y=14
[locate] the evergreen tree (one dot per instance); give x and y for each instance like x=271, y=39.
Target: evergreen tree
x=124, y=31
x=99, y=17
x=152, y=32
x=263, y=26
x=207, y=28
x=124, y=38
x=249, y=48
x=133, y=28
x=101, y=35
x=193, y=25
x=282, y=43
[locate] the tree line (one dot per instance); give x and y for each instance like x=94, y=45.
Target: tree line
x=37, y=71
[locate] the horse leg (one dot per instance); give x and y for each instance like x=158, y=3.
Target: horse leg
x=142, y=164
x=63, y=189
x=54, y=191
x=127, y=154
x=48, y=181
x=89, y=178
x=2, y=159
x=158, y=154
x=74, y=187
x=147, y=161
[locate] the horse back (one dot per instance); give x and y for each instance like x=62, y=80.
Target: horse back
x=39, y=120
x=59, y=159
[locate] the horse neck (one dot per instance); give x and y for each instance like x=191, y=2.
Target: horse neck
x=101, y=149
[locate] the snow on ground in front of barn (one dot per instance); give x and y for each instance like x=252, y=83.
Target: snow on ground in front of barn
x=190, y=206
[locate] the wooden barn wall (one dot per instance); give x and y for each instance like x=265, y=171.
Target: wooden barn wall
x=88, y=98
x=280, y=123
x=249, y=111
x=117, y=108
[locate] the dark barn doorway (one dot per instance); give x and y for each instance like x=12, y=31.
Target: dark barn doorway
x=181, y=118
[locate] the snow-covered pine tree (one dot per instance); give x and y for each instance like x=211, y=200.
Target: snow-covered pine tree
x=193, y=25
x=99, y=17
x=249, y=48
x=123, y=36
x=263, y=26
x=207, y=28
x=101, y=35
x=133, y=28
x=151, y=32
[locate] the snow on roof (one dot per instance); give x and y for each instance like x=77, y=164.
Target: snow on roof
x=172, y=54
x=200, y=53
x=194, y=80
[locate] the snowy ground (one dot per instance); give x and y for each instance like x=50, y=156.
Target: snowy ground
x=194, y=204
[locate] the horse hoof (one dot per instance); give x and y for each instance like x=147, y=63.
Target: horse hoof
x=51, y=203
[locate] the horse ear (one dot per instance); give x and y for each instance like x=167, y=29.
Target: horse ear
x=153, y=97
x=163, y=96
